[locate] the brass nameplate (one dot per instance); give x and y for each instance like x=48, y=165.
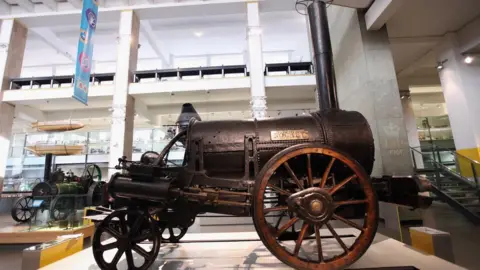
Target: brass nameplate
x=289, y=135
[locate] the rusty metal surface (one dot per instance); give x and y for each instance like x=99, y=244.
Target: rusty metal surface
x=224, y=141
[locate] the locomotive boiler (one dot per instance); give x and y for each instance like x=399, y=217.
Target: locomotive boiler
x=297, y=177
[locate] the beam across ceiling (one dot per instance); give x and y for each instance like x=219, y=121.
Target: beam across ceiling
x=28, y=113
x=51, y=39
x=75, y=3
x=469, y=36
x=380, y=12
x=51, y=4
x=149, y=33
x=141, y=109
x=26, y=4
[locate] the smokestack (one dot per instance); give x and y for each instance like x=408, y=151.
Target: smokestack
x=48, y=167
x=323, y=55
x=188, y=112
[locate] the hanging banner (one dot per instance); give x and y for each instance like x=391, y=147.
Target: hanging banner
x=88, y=24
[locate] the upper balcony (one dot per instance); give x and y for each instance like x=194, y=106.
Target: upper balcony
x=57, y=90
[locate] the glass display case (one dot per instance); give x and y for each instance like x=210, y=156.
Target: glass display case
x=98, y=143
x=60, y=212
x=434, y=128
x=142, y=140
x=22, y=178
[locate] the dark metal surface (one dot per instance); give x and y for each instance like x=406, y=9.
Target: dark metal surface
x=127, y=229
x=224, y=142
x=48, y=167
x=323, y=55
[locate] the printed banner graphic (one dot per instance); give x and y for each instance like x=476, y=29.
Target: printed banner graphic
x=85, y=50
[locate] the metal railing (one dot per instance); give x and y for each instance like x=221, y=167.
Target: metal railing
x=462, y=168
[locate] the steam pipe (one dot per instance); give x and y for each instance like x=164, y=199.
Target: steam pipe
x=323, y=55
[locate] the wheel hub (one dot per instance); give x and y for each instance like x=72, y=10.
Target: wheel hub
x=314, y=205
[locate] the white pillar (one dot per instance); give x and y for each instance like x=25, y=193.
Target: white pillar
x=13, y=37
x=258, y=100
x=121, y=137
x=460, y=82
x=367, y=83
x=411, y=126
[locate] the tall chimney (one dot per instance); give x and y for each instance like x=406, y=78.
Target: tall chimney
x=323, y=55
x=48, y=167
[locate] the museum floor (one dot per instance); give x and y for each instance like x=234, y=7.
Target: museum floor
x=465, y=239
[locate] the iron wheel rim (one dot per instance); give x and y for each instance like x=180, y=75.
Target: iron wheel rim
x=129, y=237
x=350, y=254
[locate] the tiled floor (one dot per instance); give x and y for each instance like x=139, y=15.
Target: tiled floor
x=465, y=236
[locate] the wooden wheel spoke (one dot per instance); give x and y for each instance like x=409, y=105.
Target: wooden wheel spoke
x=107, y=246
x=292, y=174
x=142, y=252
x=287, y=225
x=309, y=170
x=117, y=257
x=319, y=243
x=339, y=240
x=279, y=190
x=170, y=230
x=327, y=172
x=352, y=202
x=129, y=255
x=279, y=220
x=299, y=241
x=343, y=183
x=112, y=232
x=348, y=222
x=276, y=208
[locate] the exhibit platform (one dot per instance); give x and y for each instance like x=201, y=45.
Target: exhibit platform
x=23, y=234
x=244, y=250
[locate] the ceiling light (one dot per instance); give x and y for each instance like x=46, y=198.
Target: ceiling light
x=440, y=65
x=198, y=34
x=469, y=59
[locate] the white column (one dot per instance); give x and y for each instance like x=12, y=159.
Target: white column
x=13, y=37
x=411, y=126
x=121, y=137
x=460, y=83
x=258, y=100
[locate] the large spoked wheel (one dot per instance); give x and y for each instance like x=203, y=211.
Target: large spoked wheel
x=315, y=186
x=22, y=210
x=92, y=172
x=97, y=194
x=127, y=229
x=172, y=234
x=61, y=207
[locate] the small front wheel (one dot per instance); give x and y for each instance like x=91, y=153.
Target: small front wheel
x=126, y=230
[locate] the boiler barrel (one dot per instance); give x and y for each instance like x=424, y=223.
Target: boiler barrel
x=224, y=141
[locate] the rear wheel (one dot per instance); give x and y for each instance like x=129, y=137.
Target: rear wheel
x=318, y=185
